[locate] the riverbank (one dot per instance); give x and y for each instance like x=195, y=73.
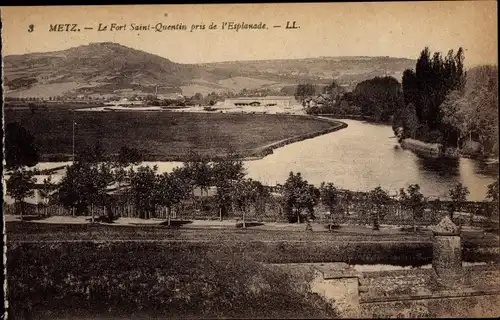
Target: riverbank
x=434, y=150
x=261, y=152
x=354, y=117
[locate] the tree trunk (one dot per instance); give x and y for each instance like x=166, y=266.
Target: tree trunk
x=168, y=215
x=244, y=225
x=376, y=225
x=19, y=208
x=414, y=223
x=331, y=220
x=92, y=212
x=298, y=217
x=193, y=199
x=110, y=213
x=220, y=213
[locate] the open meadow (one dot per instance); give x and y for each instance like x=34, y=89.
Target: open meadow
x=161, y=135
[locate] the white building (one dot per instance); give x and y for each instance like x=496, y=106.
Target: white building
x=270, y=101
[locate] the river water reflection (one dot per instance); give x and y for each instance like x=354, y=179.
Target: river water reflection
x=362, y=157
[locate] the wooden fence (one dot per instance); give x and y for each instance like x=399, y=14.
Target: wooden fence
x=358, y=211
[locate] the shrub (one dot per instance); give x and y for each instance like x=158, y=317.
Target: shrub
x=149, y=279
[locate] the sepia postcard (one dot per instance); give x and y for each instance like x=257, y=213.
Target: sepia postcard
x=263, y=160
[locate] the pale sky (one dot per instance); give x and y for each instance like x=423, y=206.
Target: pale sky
x=326, y=29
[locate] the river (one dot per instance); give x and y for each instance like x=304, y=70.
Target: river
x=362, y=157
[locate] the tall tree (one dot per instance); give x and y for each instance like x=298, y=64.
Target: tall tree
x=128, y=156
x=413, y=200
x=85, y=186
x=47, y=190
x=102, y=178
x=426, y=88
x=20, y=147
x=380, y=97
x=492, y=193
x=380, y=199
x=298, y=195
x=329, y=197
x=184, y=182
x=458, y=195
x=305, y=90
x=143, y=184
x=20, y=185
x=226, y=171
x=198, y=168
x=170, y=191
x=246, y=193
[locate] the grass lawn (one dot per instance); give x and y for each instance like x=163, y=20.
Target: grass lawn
x=163, y=135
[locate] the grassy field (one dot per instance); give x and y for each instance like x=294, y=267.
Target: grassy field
x=163, y=135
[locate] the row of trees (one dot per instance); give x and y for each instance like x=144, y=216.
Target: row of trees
x=378, y=99
x=437, y=102
x=305, y=90
x=425, y=89
x=444, y=104
x=92, y=179
x=87, y=185
x=299, y=196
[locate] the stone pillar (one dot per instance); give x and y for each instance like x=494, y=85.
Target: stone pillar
x=447, y=254
x=339, y=284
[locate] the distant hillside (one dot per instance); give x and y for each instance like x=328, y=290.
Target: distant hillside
x=110, y=68
x=343, y=69
x=94, y=68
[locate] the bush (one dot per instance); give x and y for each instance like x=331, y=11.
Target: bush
x=47, y=280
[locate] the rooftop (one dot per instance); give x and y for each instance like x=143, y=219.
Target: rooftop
x=263, y=98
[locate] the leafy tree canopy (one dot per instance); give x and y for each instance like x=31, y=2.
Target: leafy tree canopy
x=20, y=147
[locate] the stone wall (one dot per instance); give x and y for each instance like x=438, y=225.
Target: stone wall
x=415, y=293
x=472, y=306
x=401, y=293
x=446, y=290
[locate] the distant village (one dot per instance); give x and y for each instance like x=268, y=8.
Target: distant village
x=285, y=98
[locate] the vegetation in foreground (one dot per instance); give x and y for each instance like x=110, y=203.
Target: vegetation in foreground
x=90, y=279
x=186, y=279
